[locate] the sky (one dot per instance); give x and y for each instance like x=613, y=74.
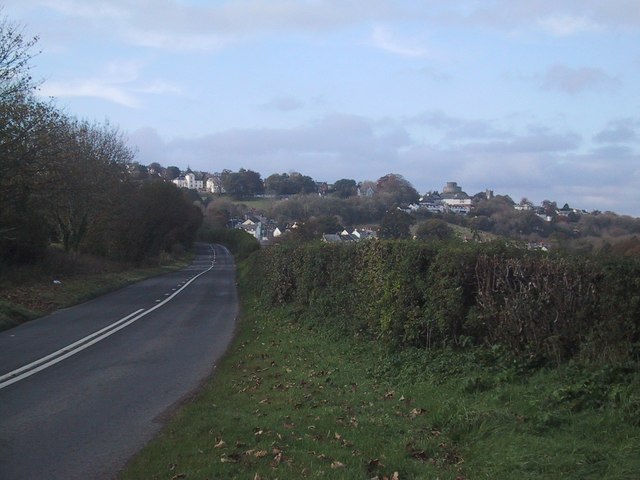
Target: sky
x=529, y=98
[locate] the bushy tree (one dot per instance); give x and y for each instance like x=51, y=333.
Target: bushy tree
x=345, y=188
x=152, y=218
x=171, y=172
x=24, y=128
x=91, y=163
x=243, y=183
x=16, y=52
x=396, y=224
x=396, y=190
x=434, y=229
x=289, y=184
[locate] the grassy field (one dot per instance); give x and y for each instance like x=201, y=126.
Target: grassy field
x=291, y=402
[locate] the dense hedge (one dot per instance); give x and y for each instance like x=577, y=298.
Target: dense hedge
x=432, y=294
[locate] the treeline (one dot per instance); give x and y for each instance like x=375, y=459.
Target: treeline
x=407, y=293
x=583, y=233
x=66, y=181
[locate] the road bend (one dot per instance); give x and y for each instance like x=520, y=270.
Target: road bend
x=83, y=389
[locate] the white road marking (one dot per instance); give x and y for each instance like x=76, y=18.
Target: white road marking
x=76, y=347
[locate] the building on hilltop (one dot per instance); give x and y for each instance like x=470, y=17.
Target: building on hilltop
x=455, y=198
x=214, y=184
x=190, y=180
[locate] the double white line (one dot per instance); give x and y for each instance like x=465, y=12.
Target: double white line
x=76, y=347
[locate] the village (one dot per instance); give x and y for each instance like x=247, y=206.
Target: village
x=450, y=200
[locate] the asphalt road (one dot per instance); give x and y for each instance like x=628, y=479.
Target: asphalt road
x=83, y=415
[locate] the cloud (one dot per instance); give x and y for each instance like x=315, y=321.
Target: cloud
x=282, y=104
x=456, y=129
x=184, y=25
x=98, y=10
x=159, y=87
x=336, y=140
x=535, y=141
x=433, y=74
x=119, y=82
x=94, y=88
x=566, y=25
x=385, y=39
x=177, y=42
x=569, y=17
x=179, y=25
x=619, y=131
x=575, y=80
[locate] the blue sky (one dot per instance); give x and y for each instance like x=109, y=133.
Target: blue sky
x=531, y=98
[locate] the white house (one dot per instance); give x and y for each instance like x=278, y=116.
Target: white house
x=190, y=181
x=214, y=184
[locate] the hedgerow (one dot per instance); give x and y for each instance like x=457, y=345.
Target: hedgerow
x=546, y=306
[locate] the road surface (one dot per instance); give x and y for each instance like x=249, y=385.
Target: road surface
x=83, y=389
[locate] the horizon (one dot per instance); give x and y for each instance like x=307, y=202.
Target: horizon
x=528, y=99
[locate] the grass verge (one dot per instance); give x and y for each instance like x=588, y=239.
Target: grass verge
x=31, y=292
x=290, y=402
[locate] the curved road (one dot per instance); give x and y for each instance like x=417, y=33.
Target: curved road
x=76, y=404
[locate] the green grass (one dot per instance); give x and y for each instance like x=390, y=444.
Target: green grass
x=259, y=204
x=291, y=402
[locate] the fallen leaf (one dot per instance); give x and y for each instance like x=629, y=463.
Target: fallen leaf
x=416, y=412
x=220, y=444
x=337, y=464
x=260, y=454
x=276, y=460
x=373, y=465
x=229, y=459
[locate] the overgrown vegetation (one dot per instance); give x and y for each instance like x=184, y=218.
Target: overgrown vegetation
x=544, y=306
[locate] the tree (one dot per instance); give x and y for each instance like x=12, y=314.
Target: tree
x=243, y=183
x=276, y=184
x=25, y=151
x=138, y=171
x=290, y=184
x=24, y=134
x=15, y=58
x=153, y=217
x=396, y=224
x=154, y=168
x=396, y=189
x=434, y=229
x=314, y=228
x=90, y=165
x=172, y=172
x=345, y=188
x=302, y=183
